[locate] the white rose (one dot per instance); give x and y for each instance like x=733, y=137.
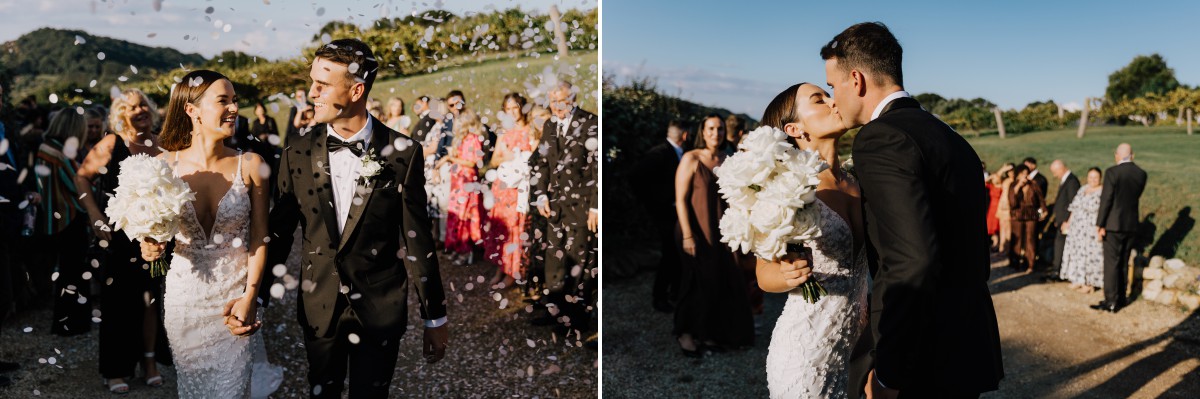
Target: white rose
x=767, y=215
x=806, y=225
x=370, y=169
x=772, y=244
x=736, y=230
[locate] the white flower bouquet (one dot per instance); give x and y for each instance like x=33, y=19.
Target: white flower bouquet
x=149, y=200
x=515, y=174
x=770, y=186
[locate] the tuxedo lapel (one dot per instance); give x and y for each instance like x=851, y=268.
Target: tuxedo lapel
x=899, y=103
x=321, y=182
x=380, y=138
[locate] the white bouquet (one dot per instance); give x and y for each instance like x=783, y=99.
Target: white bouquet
x=770, y=186
x=515, y=174
x=148, y=203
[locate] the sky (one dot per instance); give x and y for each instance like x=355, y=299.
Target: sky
x=739, y=55
x=268, y=28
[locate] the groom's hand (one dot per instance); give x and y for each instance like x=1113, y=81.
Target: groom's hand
x=436, y=340
x=796, y=267
x=238, y=327
x=876, y=390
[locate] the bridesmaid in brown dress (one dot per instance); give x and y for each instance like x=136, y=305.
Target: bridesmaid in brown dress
x=713, y=310
x=1028, y=205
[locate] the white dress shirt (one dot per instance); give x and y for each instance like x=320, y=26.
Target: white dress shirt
x=1033, y=173
x=1064, y=178
x=886, y=100
x=343, y=175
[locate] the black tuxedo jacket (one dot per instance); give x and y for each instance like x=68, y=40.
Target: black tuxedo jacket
x=421, y=128
x=387, y=234
x=1042, y=182
x=1066, y=194
x=654, y=177
x=566, y=171
x=931, y=313
x=1119, y=198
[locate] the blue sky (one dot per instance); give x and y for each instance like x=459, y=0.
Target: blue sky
x=738, y=55
x=268, y=28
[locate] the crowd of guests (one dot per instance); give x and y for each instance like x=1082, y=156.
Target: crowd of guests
x=711, y=290
x=517, y=191
x=1092, y=224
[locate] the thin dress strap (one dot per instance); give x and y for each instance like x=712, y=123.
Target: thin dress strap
x=238, y=178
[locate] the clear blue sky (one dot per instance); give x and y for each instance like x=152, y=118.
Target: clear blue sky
x=269, y=28
x=739, y=54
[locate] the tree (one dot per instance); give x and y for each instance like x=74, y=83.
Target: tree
x=1144, y=75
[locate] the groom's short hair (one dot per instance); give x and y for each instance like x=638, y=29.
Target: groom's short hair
x=870, y=47
x=356, y=56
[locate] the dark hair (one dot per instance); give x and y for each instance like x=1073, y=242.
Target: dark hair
x=782, y=109
x=177, y=128
x=1031, y=161
x=700, y=143
x=870, y=47
x=66, y=123
x=457, y=93
x=260, y=104
x=1097, y=170
x=734, y=124
x=423, y=98
x=356, y=56
x=1018, y=169
x=675, y=123
x=520, y=103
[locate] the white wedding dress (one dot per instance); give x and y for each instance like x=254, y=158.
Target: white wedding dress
x=207, y=271
x=811, y=345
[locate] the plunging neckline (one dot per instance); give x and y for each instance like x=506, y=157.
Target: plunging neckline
x=237, y=178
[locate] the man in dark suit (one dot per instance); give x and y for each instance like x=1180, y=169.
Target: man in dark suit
x=1117, y=223
x=367, y=235
x=564, y=184
x=1068, y=186
x=933, y=324
x=655, y=180
x=424, y=122
x=1036, y=175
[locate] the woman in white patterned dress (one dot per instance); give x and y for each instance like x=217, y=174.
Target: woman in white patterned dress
x=1083, y=254
x=221, y=249
x=812, y=342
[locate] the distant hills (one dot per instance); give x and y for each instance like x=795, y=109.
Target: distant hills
x=60, y=61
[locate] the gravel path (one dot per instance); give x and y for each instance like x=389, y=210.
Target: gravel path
x=494, y=352
x=1054, y=347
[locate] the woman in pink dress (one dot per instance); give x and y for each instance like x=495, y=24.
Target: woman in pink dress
x=463, y=222
x=506, y=220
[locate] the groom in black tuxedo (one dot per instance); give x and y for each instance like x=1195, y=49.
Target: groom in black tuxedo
x=1117, y=223
x=933, y=324
x=356, y=188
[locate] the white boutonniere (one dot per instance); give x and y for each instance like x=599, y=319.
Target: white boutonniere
x=370, y=167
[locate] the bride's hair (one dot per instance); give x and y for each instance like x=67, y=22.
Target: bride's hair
x=177, y=128
x=782, y=110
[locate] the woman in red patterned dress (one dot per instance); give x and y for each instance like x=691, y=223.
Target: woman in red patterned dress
x=505, y=227
x=463, y=222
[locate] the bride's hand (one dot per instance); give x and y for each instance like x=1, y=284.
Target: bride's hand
x=240, y=316
x=152, y=250
x=796, y=268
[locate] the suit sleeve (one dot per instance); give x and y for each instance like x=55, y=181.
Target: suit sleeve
x=1069, y=190
x=1107, y=191
x=890, y=167
x=281, y=224
x=421, y=259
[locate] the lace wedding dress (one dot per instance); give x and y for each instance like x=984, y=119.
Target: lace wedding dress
x=811, y=345
x=208, y=270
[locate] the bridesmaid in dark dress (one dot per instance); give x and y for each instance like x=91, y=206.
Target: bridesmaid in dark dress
x=129, y=318
x=713, y=311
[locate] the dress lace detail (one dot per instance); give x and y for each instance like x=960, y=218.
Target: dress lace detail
x=206, y=272
x=810, y=347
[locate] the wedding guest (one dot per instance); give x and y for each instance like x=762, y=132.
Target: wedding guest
x=437, y=174
x=424, y=122
x=1083, y=253
x=1028, y=207
x=395, y=116
x=506, y=220
x=60, y=232
x=455, y=105
x=1068, y=185
x=655, y=182
x=299, y=104
x=536, y=225
x=735, y=129
x=304, y=119
x=1117, y=223
x=564, y=183
x=1004, y=210
x=1035, y=175
x=993, y=184
x=130, y=326
x=375, y=108
x=713, y=310
x=263, y=126
x=463, y=223
x=95, y=130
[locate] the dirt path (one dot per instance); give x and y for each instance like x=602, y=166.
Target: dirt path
x=1054, y=347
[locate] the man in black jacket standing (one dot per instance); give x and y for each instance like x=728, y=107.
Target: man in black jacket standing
x=1068, y=186
x=655, y=179
x=1117, y=223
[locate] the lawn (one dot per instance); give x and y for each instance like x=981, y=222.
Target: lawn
x=1168, y=154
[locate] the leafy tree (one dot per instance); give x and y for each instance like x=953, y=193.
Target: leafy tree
x=1144, y=75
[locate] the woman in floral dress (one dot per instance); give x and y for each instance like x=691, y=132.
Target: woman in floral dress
x=464, y=210
x=506, y=219
x=1083, y=254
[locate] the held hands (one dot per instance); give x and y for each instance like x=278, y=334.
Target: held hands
x=436, y=341
x=796, y=268
x=151, y=249
x=240, y=315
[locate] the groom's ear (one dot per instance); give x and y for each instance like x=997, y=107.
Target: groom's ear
x=358, y=90
x=860, y=82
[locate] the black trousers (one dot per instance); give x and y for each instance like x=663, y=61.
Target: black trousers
x=567, y=253
x=1117, y=247
x=67, y=250
x=666, y=278
x=1060, y=242
x=127, y=292
x=370, y=363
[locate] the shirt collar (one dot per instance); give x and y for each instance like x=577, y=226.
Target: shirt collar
x=1033, y=173
x=1124, y=161
x=886, y=101
x=364, y=134
x=1065, y=176
x=423, y=113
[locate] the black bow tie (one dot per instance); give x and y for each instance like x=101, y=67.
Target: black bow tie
x=355, y=146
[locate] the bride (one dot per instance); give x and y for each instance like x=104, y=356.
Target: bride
x=220, y=251
x=812, y=343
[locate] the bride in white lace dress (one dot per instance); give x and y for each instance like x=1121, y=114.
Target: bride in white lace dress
x=811, y=346
x=220, y=251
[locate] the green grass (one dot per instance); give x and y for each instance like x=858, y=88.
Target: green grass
x=1167, y=154
x=484, y=84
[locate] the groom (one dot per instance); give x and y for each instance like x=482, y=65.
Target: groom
x=934, y=328
x=357, y=189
